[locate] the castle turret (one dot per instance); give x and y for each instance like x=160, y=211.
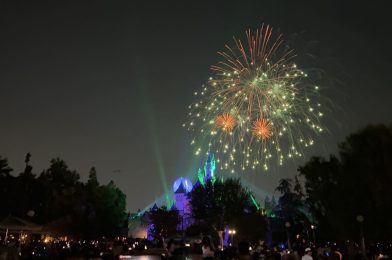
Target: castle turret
x=181, y=187
x=209, y=168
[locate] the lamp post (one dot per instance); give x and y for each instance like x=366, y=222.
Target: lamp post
x=313, y=227
x=360, y=220
x=232, y=233
x=288, y=225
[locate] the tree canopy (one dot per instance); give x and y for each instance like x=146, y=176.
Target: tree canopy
x=4, y=168
x=57, y=199
x=163, y=222
x=227, y=203
x=357, y=182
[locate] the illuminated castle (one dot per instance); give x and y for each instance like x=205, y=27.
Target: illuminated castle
x=208, y=173
x=182, y=186
x=140, y=226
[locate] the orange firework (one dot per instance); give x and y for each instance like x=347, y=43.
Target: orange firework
x=258, y=107
x=262, y=129
x=226, y=121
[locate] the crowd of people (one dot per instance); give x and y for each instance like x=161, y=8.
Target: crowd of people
x=74, y=249
x=180, y=249
x=260, y=251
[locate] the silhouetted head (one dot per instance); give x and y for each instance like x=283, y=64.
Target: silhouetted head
x=243, y=248
x=206, y=241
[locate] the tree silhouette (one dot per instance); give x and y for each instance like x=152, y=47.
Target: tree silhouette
x=92, y=178
x=357, y=183
x=164, y=222
x=284, y=186
x=62, y=203
x=226, y=203
x=5, y=170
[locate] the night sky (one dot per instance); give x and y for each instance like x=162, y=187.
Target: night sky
x=107, y=84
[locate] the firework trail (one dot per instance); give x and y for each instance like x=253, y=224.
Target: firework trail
x=258, y=107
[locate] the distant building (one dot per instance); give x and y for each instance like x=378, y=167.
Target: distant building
x=180, y=188
x=138, y=222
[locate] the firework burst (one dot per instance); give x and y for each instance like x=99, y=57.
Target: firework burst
x=225, y=121
x=257, y=107
x=261, y=129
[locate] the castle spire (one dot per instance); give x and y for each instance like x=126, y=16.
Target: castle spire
x=209, y=167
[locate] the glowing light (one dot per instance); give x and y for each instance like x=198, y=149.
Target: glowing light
x=185, y=182
x=256, y=102
x=261, y=129
x=225, y=121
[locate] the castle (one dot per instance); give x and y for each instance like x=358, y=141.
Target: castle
x=139, y=225
x=182, y=186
